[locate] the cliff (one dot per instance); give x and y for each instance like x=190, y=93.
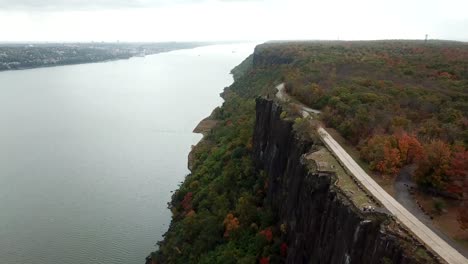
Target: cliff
x=263, y=191
x=322, y=224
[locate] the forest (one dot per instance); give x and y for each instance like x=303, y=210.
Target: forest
x=219, y=214
x=399, y=102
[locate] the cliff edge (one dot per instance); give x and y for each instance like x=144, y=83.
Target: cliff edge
x=322, y=224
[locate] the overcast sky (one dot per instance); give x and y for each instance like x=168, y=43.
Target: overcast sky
x=256, y=20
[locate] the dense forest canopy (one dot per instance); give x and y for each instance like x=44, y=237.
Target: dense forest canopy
x=219, y=214
x=400, y=102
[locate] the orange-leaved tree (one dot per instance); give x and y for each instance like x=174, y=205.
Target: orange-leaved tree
x=434, y=164
x=382, y=153
x=410, y=148
x=231, y=223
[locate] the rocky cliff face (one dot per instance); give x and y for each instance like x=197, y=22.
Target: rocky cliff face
x=263, y=58
x=321, y=225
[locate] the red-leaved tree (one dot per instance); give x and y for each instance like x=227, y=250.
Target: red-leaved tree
x=458, y=171
x=463, y=216
x=187, y=202
x=433, y=166
x=268, y=234
x=284, y=249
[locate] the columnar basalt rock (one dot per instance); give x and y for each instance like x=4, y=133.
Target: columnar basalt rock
x=322, y=224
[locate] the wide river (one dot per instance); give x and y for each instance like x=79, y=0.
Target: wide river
x=89, y=154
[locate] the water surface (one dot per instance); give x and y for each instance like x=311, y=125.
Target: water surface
x=89, y=153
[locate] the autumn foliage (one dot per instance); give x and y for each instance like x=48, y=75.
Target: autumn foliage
x=459, y=163
x=401, y=103
x=391, y=99
x=439, y=166
x=434, y=165
x=284, y=249
x=410, y=148
x=187, y=202
x=231, y=223
x=388, y=153
x=458, y=171
x=268, y=234
x=463, y=216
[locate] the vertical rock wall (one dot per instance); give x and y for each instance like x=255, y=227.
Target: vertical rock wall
x=322, y=224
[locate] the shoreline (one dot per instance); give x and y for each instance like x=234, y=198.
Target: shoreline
x=67, y=64
x=96, y=61
x=203, y=127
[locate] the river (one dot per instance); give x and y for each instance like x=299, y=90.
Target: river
x=89, y=154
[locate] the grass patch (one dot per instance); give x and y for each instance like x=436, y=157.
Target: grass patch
x=327, y=162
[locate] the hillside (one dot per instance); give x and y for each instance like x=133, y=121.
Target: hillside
x=252, y=199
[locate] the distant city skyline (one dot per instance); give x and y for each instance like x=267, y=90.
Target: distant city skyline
x=229, y=20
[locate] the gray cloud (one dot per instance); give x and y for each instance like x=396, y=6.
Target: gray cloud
x=34, y=5
x=85, y=4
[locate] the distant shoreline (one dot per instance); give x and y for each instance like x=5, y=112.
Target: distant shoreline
x=54, y=55
x=71, y=64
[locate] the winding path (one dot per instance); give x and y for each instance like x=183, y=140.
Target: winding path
x=421, y=231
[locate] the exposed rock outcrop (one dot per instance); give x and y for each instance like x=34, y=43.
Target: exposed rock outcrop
x=322, y=224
